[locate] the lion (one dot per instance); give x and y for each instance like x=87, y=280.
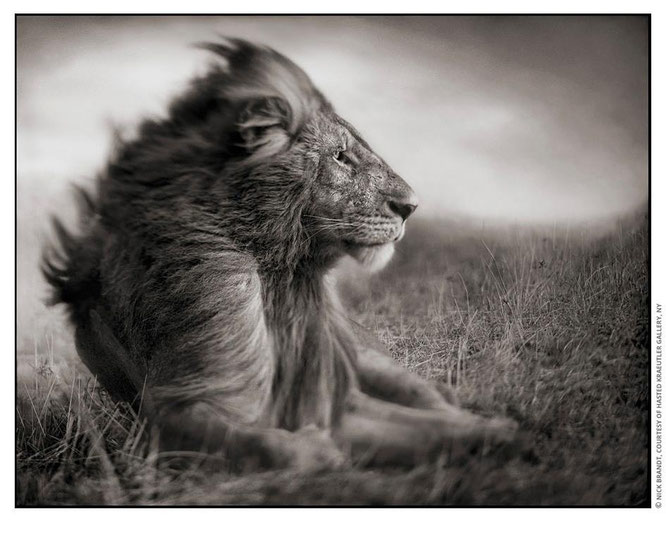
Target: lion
x=199, y=284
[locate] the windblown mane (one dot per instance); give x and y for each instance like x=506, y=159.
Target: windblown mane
x=187, y=215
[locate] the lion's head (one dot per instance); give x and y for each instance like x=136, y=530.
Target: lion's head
x=358, y=203
x=297, y=156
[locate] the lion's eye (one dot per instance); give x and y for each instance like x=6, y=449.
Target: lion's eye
x=339, y=155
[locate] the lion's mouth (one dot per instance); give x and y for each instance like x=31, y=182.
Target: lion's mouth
x=370, y=236
x=401, y=234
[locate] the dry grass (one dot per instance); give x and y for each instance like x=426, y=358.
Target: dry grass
x=547, y=326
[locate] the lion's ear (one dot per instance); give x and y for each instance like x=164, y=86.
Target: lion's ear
x=264, y=123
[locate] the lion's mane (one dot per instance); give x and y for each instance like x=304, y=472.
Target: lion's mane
x=192, y=249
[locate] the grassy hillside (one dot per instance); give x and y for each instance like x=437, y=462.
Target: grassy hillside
x=547, y=326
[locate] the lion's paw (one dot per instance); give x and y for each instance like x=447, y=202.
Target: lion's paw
x=500, y=429
x=482, y=435
x=504, y=439
x=313, y=450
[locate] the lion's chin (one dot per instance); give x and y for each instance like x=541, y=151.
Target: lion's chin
x=373, y=258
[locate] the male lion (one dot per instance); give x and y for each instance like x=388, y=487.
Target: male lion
x=199, y=283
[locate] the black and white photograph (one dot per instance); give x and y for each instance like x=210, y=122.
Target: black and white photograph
x=335, y=261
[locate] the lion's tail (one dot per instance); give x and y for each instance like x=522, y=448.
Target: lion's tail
x=71, y=263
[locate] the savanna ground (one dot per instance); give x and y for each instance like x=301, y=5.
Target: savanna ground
x=548, y=326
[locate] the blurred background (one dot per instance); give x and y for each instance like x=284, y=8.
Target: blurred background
x=496, y=119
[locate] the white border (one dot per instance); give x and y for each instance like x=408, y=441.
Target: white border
x=312, y=519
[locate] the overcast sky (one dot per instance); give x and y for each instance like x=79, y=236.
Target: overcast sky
x=501, y=118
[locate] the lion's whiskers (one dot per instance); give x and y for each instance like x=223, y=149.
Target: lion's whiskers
x=331, y=226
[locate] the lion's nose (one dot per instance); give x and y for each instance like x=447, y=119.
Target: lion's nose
x=404, y=207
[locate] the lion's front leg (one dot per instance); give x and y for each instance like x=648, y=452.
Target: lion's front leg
x=378, y=432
